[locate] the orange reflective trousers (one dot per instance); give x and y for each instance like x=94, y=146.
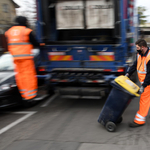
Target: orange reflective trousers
x=26, y=78
x=144, y=106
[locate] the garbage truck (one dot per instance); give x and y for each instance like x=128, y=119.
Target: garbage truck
x=88, y=43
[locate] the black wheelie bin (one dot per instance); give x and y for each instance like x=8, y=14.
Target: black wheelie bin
x=123, y=90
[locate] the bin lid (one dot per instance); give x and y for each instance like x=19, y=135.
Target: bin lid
x=127, y=84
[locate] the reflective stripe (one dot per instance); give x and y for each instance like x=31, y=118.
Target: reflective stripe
x=148, y=54
x=142, y=72
x=22, y=90
x=23, y=55
x=139, y=119
x=32, y=94
x=138, y=56
x=25, y=43
x=23, y=93
x=138, y=115
x=32, y=91
x=145, y=66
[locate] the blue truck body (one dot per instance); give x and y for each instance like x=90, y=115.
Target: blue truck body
x=79, y=60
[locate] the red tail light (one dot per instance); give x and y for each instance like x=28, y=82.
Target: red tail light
x=107, y=70
x=41, y=69
x=63, y=80
x=121, y=69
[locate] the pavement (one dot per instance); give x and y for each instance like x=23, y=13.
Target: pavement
x=71, y=124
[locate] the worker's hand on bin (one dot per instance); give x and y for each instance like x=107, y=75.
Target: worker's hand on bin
x=141, y=90
x=127, y=75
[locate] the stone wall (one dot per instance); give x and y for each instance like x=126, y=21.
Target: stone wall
x=7, y=14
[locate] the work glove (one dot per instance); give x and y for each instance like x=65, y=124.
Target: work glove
x=127, y=75
x=141, y=90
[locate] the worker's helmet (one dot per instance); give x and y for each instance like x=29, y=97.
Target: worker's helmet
x=21, y=20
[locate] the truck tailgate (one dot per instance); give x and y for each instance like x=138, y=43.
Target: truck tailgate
x=100, y=56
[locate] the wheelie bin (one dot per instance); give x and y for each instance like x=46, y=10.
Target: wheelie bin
x=123, y=90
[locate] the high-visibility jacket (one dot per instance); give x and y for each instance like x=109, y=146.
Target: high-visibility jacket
x=18, y=42
x=141, y=66
x=20, y=48
x=140, y=117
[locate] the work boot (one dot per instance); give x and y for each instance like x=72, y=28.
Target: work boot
x=134, y=125
x=39, y=97
x=28, y=103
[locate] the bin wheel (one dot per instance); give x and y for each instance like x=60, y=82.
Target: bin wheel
x=119, y=120
x=110, y=126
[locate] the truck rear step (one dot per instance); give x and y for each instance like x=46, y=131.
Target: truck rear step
x=82, y=91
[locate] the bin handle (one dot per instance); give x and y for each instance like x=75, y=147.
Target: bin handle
x=137, y=94
x=113, y=83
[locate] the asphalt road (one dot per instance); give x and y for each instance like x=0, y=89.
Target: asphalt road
x=69, y=124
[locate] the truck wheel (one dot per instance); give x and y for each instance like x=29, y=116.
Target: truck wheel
x=110, y=126
x=119, y=120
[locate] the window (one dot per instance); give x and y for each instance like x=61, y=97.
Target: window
x=5, y=8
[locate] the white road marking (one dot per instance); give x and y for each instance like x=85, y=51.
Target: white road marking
x=50, y=100
x=28, y=114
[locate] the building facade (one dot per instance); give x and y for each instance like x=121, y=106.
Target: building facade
x=7, y=14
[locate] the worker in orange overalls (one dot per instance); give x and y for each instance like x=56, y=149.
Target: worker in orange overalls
x=142, y=65
x=20, y=41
